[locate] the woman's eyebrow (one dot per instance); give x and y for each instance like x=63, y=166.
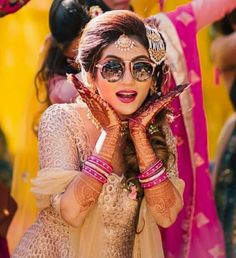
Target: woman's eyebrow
x=135, y=58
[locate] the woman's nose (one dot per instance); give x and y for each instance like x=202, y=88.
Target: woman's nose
x=127, y=76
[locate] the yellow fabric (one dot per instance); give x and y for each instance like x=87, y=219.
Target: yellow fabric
x=25, y=168
x=22, y=35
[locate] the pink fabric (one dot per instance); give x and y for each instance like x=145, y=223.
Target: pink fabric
x=217, y=76
x=61, y=91
x=197, y=232
x=207, y=11
x=6, y=7
x=4, y=253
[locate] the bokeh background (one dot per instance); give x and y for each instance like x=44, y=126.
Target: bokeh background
x=21, y=40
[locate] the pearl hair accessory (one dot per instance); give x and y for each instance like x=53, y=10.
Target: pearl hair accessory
x=124, y=43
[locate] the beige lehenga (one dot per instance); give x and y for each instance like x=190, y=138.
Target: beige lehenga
x=109, y=228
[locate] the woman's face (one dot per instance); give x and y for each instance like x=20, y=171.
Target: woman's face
x=126, y=94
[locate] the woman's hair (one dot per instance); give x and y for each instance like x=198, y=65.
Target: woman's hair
x=98, y=34
x=225, y=25
x=67, y=18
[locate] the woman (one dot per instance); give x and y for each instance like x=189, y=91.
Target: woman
x=198, y=219
x=223, y=52
x=66, y=21
x=104, y=192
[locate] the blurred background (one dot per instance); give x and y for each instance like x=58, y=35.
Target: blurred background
x=21, y=40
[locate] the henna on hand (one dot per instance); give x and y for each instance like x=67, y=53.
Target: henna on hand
x=144, y=151
x=84, y=192
x=143, y=117
x=164, y=202
x=99, y=108
x=139, y=122
x=104, y=114
x=110, y=143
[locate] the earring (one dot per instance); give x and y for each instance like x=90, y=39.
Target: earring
x=153, y=89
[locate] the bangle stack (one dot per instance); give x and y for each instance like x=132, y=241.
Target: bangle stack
x=98, y=168
x=152, y=176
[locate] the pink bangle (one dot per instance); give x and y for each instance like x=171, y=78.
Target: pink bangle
x=102, y=162
x=152, y=170
x=152, y=178
x=102, y=179
x=155, y=182
x=97, y=168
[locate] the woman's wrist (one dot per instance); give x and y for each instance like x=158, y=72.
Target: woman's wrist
x=107, y=143
x=145, y=153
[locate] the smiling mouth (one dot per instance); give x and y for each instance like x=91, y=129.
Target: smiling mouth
x=126, y=97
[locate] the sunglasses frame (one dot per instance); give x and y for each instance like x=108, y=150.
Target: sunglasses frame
x=131, y=63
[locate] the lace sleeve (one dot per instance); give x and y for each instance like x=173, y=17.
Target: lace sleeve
x=172, y=169
x=57, y=144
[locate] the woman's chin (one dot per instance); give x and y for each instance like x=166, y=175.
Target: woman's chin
x=124, y=115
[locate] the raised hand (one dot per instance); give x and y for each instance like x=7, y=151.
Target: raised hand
x=139, y=122
x=143, y=117
x=100, y=109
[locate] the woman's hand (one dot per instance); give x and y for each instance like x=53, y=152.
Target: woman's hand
x=144, y=116
x=100, y=109
x=105, y=115
x=140, y=122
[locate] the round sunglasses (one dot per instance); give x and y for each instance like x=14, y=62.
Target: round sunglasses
x=113, y=70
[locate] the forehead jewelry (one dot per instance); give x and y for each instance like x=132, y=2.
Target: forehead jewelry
x=157, y=48
x=124, y=43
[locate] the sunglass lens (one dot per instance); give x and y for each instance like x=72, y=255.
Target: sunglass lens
x=142, y=71
x=112, y=71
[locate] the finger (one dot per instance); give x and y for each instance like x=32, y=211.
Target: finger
x=85, y=93
x=169, y=97
x=177, y=90
x=77, y=84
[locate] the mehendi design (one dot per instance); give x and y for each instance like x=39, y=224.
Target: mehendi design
x=144, y=115
x=161, y=198
x=140, y=121
x=110, y=143
x=86, y=191
x=145, y=153
x=100, y=109
x=104, y=114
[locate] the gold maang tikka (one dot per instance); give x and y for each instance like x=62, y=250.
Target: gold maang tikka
x=124, y=43
x=157, y=47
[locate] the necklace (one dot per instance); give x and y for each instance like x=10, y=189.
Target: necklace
x=94, y=121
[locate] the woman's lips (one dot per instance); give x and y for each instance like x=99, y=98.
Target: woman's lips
x=126, y=96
